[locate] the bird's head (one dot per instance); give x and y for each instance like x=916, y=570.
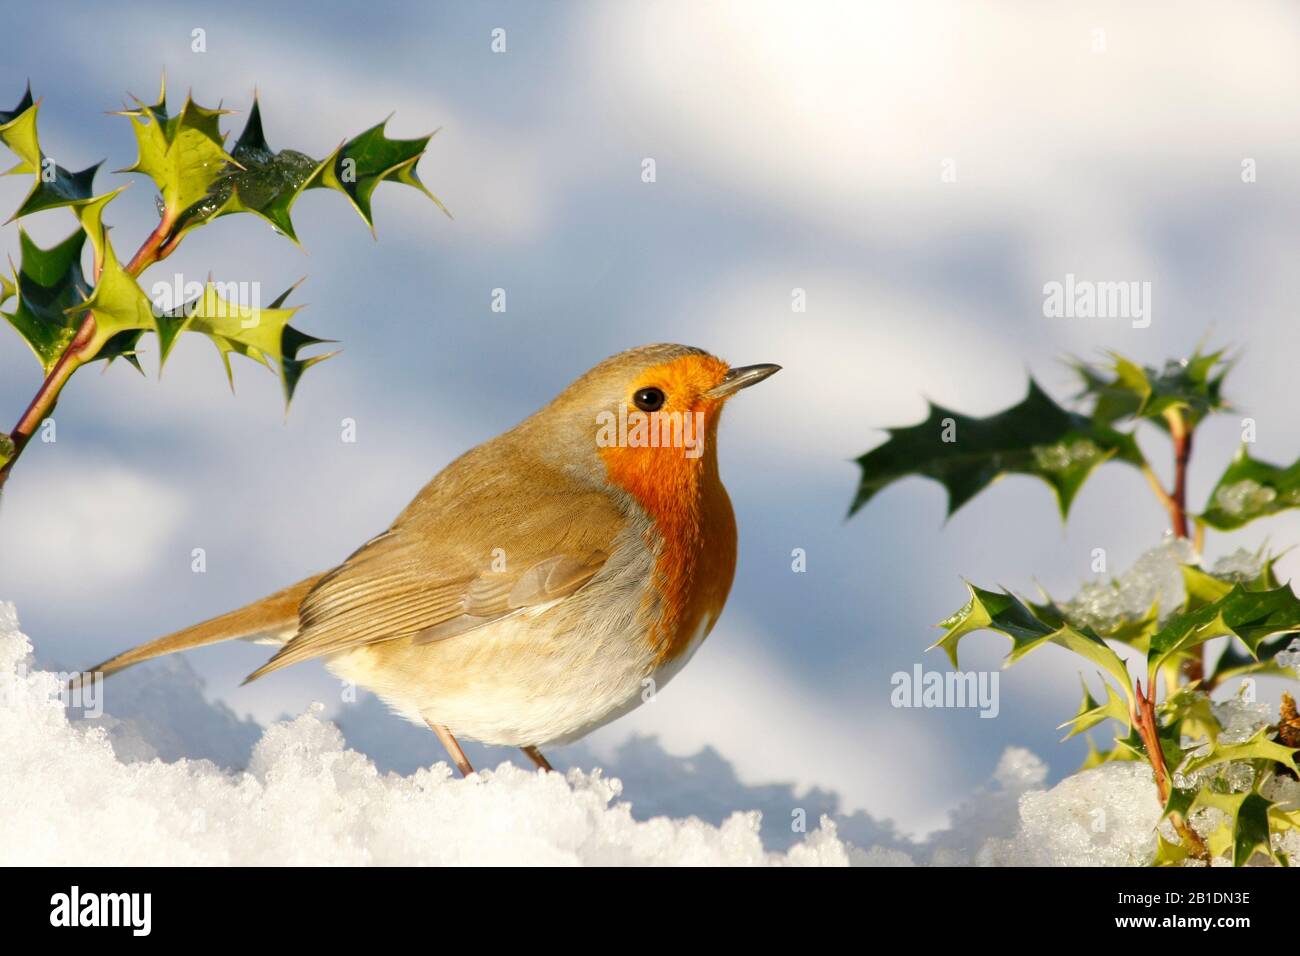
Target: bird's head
x=646, y=419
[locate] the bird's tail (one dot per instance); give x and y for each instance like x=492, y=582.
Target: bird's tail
x=272, y=616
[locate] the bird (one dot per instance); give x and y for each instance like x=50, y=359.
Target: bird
x=543, y=584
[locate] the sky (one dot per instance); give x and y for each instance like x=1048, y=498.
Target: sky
x=919, y=171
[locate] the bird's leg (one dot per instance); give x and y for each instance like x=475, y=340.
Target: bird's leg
x=536, y=757
x=453, y=748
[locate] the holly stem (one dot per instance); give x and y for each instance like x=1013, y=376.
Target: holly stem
x=1143, y=714
x=80, y=350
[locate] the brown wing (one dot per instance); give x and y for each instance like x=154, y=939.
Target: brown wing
x=440, y=572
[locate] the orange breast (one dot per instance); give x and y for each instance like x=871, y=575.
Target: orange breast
x=694, y=532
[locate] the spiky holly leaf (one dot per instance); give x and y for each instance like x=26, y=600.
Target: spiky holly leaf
x=1028, y=626
x=1245, y=830
x=264, y=182
x=1250, y=489
x=49, y=282
x=1235, y=663
x=90, y=214
x=1092, y=713
x=1169, y=853
x=53, y=186
x=1250, y=616
x=18, y=132
x=56, y=187
x=1123, y=389
x=1134, y=630
x=183, y=154
x=1096, y=757
x=118, y=303
x=261, y=334
x=1259, y=747
x=1206, y=586
x=1190, y=712
x=1036, y=437
x=357, y=166
x=267, y=183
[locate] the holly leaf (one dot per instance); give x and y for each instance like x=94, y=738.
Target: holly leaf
x=1036, y=437
x=1097, y=757
x=262, y=334
x=1092, y=713
x=55, y=187
x=1246, y=829
x=48, y=284
x=259, y=181
x=1234, y=662
x=1123, y=389
x=1169, y=853
x=359, y=165
x=1259, y=747
x=267, y=183
x=1250, y=616
x=1191, y=713
x=18, y=132
x=1028, y=626
x=183, y=154
x=1250, y=489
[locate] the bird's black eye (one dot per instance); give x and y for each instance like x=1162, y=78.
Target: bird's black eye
x=649, y=399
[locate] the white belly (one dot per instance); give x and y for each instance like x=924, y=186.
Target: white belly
x=549, y=675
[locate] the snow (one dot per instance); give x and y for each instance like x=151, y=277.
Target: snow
x=1154, y=579
x=1290, y=656
x=67, y=797
x=122, y=791
x=1100, y=817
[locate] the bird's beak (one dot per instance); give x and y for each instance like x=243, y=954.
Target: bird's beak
x=741, y=377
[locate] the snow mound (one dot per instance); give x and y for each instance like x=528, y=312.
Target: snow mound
x=95, y=792
x=66, y=798
x=1106, y=816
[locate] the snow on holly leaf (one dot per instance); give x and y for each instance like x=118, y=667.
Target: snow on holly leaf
x=259, y=181
x=1036, y=437
x=1259, y=747
x=1251, y=489
x=1122, y=389
x=267, y=183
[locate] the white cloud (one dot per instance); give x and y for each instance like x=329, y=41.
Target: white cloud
x=75, y=521
x=842, y=112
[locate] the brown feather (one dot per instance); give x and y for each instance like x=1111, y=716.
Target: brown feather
x=272, y=614
x=434, y=573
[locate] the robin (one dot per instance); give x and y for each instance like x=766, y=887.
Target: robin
x=544, y=583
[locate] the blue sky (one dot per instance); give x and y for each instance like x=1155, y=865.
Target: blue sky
x=796, y=146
